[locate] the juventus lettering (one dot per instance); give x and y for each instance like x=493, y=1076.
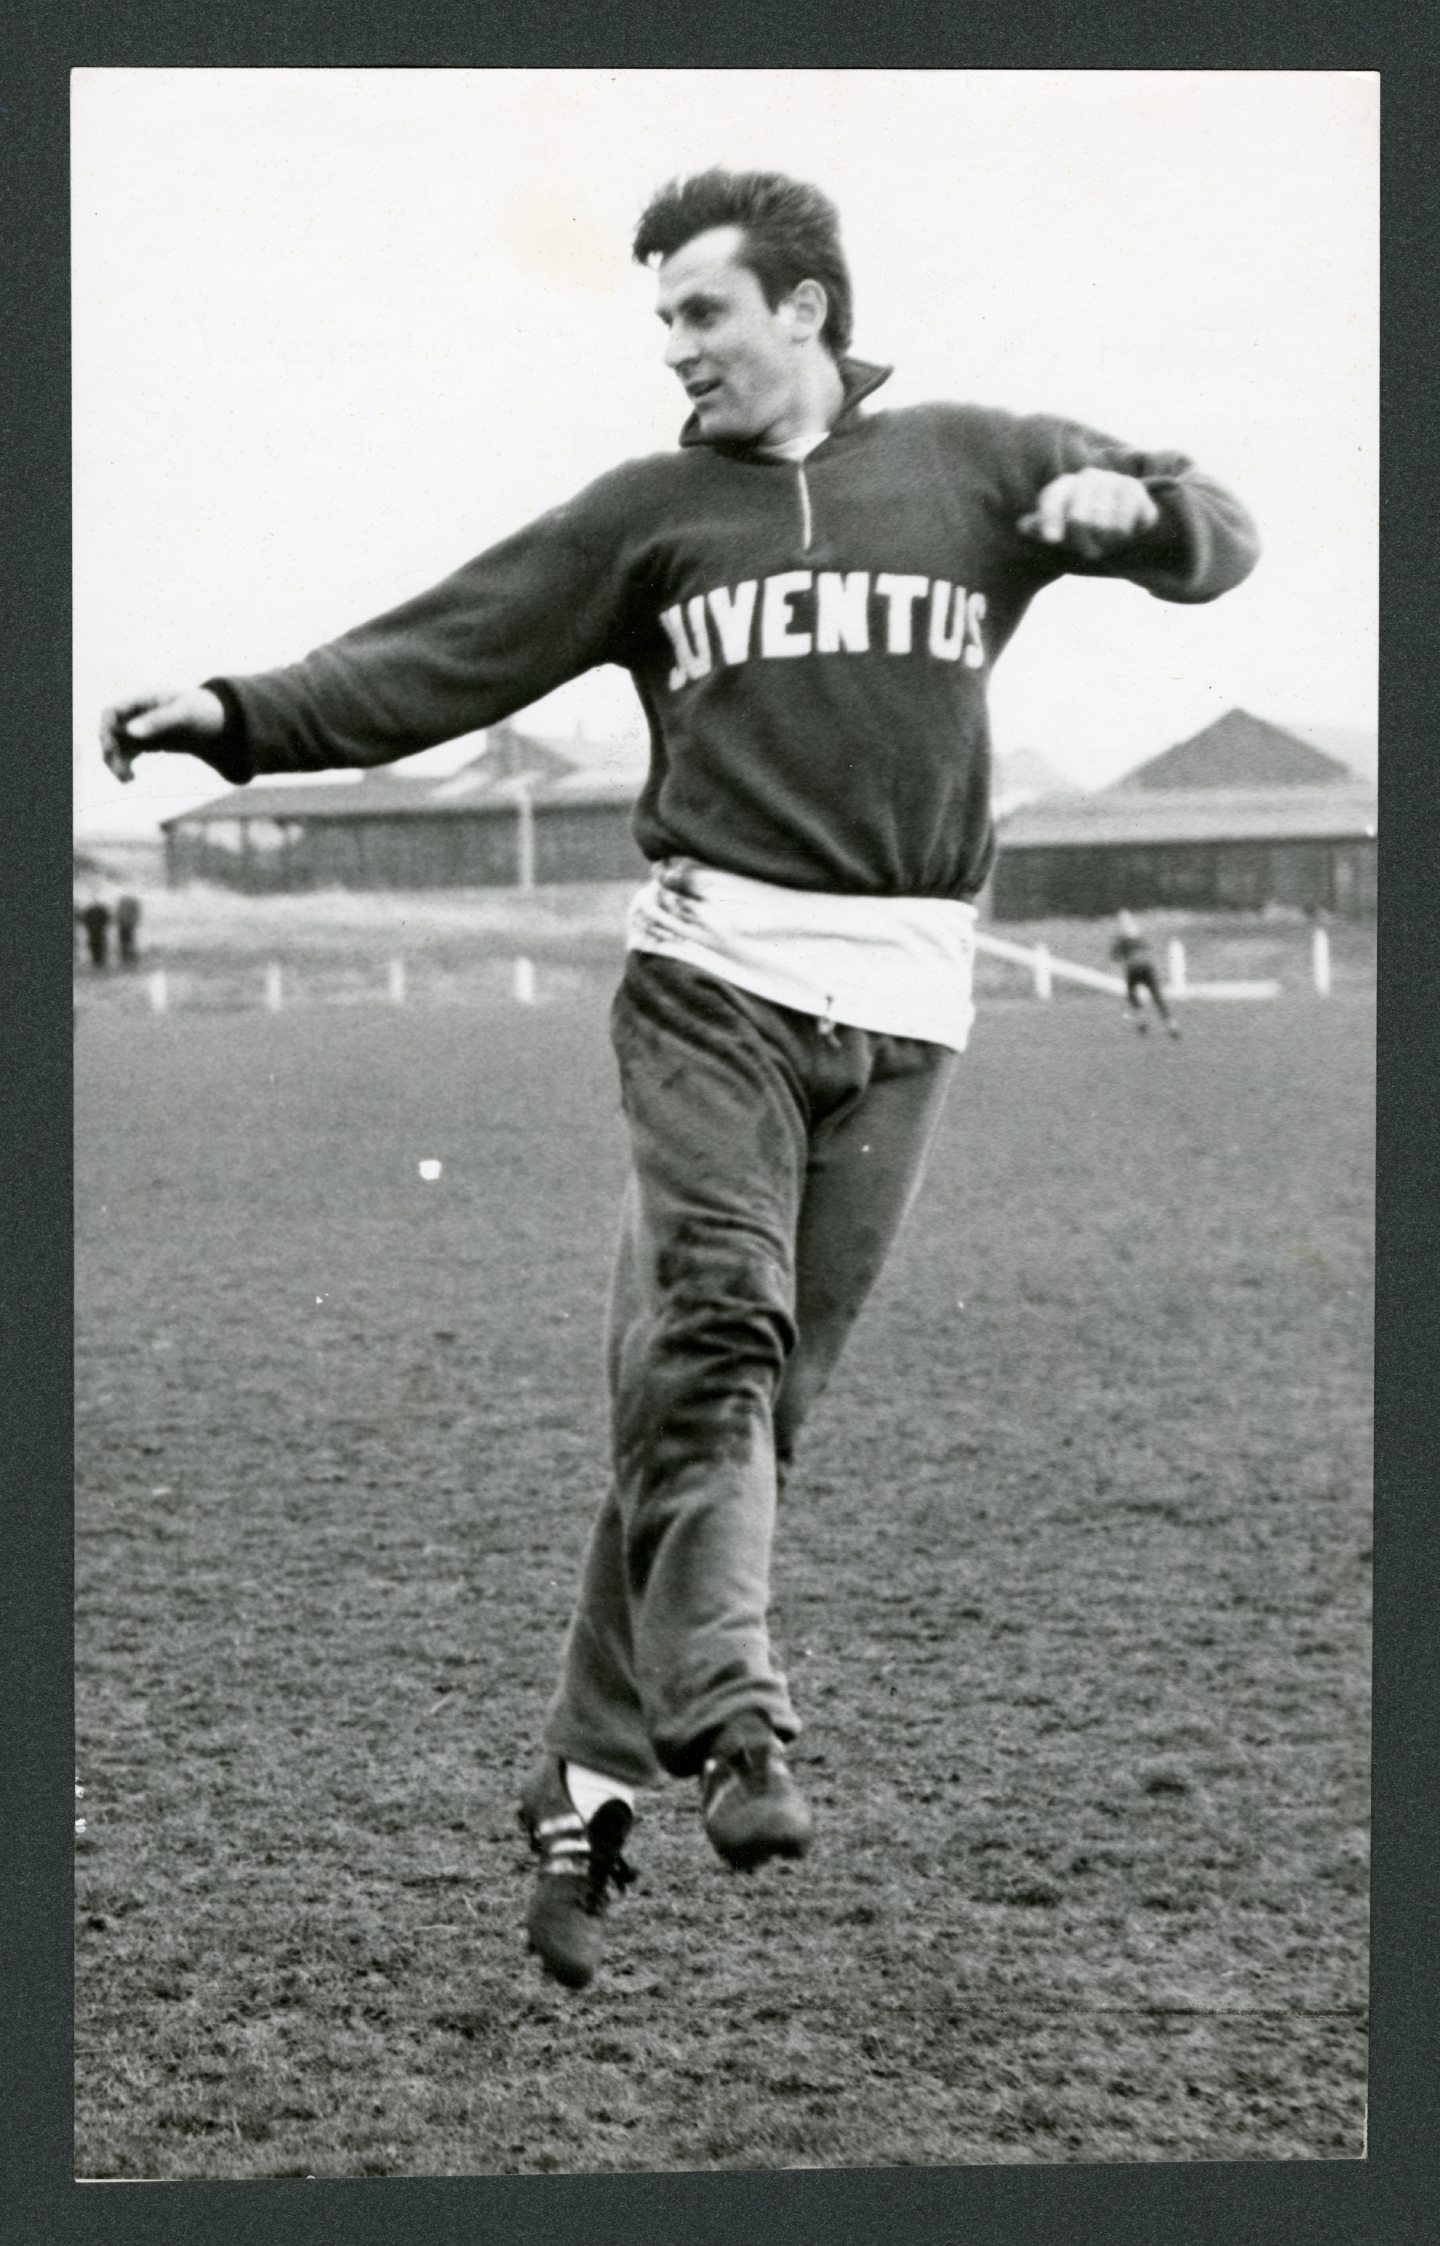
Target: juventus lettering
x=825, y=612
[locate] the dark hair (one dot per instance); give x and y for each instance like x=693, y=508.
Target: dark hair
x=791, y=234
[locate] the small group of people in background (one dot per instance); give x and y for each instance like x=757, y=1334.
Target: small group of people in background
x=95, y=918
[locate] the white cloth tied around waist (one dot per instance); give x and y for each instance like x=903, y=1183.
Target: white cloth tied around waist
x=902, y=966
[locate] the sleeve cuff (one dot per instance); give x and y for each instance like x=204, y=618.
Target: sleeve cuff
x=1164, y=543
x=230, y=755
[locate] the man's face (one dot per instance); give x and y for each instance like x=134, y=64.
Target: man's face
x=737, y=359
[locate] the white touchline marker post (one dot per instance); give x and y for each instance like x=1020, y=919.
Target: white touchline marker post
x=397, y=982
x=525, y=982
x=525, y=839
x=1176, y=975
x=274, y=987
x=159, y=991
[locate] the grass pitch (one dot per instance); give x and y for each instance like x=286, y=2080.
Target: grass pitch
x=1072, y=1586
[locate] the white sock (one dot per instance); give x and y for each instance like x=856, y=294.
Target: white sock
x=589, y=1788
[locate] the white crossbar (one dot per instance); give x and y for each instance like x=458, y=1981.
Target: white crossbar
x=1070, y=971
x=1023, y=955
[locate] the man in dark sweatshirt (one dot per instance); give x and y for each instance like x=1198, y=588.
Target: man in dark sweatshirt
x=809, y=596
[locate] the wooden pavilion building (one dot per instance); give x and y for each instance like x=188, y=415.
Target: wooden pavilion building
x=519, y=814
x=1241, y=816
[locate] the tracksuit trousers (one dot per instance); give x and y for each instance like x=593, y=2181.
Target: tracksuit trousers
x=774, y=1159
x=1144, y=978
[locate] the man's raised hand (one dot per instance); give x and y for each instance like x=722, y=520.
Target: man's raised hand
x=1090, y=511
x=179, y=722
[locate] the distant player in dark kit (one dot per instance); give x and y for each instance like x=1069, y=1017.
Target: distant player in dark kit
x=127, y=929
x=809, y=595
x=1142, y=979
x=95, y=920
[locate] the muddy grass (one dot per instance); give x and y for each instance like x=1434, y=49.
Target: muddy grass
x=1073, y=1589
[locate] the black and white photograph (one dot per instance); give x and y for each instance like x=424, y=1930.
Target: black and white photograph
x=724, y=1267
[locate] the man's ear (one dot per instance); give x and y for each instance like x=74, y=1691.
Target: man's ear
x=806, y=307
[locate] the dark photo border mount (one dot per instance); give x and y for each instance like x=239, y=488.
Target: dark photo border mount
x=1393, y=2196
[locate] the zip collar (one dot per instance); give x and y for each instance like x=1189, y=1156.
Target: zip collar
x=859, y=377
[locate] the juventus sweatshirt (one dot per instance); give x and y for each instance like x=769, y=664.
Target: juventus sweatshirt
x=811, y=644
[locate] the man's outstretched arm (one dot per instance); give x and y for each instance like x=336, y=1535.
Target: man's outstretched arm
x=522, y=618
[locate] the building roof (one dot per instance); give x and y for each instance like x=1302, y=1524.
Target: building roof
x=1241, y=751
x=321, y=805
x=507, y=755
x=1342, y=812
x=1357, y=746
x=489, y=786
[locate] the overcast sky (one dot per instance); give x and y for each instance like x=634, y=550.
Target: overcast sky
x=336, y=331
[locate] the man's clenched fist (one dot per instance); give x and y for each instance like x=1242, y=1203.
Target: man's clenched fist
x=1090, y=511
x=179, y=722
